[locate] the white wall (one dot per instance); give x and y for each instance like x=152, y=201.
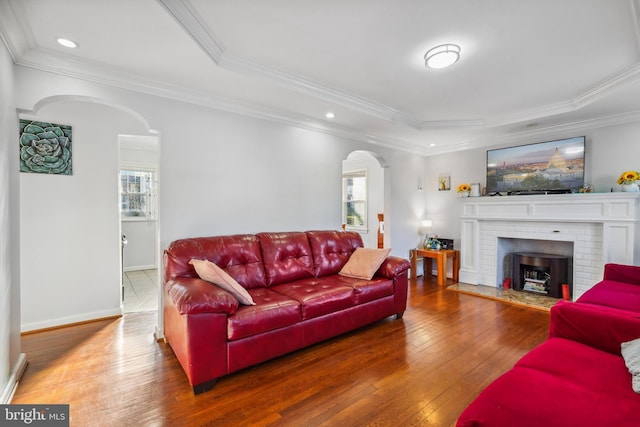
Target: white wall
x=11, y=360
x=70, y=225
x=221, y=173
x=609, y=151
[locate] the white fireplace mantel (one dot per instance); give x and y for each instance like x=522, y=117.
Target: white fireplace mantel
x=601, y=226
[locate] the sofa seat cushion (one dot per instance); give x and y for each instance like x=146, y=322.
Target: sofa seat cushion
x=584, y=366
x=367, y=290
x=318, y=296
x=613, y=294
x=272, y=311
x=560, y=383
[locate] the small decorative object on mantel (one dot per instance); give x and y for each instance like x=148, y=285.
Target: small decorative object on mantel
x=629, y=181
x=475, y=190
x=463, y=190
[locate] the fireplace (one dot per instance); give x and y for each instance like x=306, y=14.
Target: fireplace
x=590, y=229
x=540, y=273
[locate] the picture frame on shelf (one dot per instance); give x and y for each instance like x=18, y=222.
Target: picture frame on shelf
x=444, y=183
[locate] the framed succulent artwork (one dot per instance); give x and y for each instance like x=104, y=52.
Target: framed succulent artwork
x=45, y=147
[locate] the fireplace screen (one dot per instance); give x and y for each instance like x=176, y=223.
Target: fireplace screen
x=540, y=273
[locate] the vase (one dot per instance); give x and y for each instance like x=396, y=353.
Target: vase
x=630, y=188
x=463, y=194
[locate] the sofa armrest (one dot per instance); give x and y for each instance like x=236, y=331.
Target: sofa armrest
x=393, y=266
x=191, y=295
x=622, y=273
x=600, y=327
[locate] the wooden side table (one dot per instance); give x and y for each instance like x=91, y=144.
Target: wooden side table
x=441, y=257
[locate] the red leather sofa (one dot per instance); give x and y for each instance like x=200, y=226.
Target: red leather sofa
x=293, y=279
x=578, y=376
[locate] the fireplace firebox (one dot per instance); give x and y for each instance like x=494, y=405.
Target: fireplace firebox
x=540, y=273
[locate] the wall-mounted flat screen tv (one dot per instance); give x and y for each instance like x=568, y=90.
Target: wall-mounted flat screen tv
x=552, y=166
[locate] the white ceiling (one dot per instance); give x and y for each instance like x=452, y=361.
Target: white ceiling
x=527, y=67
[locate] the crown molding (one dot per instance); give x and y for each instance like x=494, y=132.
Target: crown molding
x=635, y=14
x=55, y=63
x=15, y=31
x=601, y=90
x=184, y=14
x=188, y=18
x=16, y=34
x=552, y=131
x=318, y=90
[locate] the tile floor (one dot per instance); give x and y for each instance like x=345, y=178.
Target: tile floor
x=140, y=290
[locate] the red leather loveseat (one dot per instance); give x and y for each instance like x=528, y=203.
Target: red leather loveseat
x=578, y=376
x=300, y=299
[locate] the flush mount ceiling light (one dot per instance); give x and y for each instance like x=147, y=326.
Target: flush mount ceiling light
x=67, y=43
x=330, y=115
x=442, y=56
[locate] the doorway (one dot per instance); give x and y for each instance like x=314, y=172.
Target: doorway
x=138, y=205
x=362, y=211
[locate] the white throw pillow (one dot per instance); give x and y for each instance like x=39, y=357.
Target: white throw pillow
x=631, y=355
x=363, y=263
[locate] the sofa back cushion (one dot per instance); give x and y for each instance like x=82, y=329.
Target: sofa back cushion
x=238, y=255
x=331, y=249
x=287, y=256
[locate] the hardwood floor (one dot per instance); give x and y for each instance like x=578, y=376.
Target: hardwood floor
x=422, y=370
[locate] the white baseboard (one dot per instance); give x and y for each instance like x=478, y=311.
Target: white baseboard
x=12, y=384
x=61, y=321
x=141, y=267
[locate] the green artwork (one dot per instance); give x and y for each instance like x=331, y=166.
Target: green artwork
x=45, y=147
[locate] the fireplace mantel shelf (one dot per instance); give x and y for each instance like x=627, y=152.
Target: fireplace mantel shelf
x=579, y=207
x=601, y=226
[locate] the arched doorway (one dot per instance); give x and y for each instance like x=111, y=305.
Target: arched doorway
x=369, y=168
x=70, y=225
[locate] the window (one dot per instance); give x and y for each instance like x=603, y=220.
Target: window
x=354, y=200
x=137, y=197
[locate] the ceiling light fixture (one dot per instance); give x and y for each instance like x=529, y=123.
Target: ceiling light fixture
x=442, y=56
x=330, y=115
x=67, y=43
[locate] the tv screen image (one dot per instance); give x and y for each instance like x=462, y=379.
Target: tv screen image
x=551, y=166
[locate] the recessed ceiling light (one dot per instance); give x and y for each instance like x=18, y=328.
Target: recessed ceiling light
x=432, y=145
x=67, y=43
x=442, y=56
x=330, y=115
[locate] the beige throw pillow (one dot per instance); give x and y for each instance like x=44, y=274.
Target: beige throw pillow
x=364, y=263
x=631, y=355
x=212, y=273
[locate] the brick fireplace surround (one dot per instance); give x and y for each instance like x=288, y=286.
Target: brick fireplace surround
x=602, y=227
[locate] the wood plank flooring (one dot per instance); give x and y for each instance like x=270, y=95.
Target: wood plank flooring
x=422, y=370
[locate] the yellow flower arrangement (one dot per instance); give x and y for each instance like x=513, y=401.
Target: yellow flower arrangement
x=464, y=188
x=628, y=177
